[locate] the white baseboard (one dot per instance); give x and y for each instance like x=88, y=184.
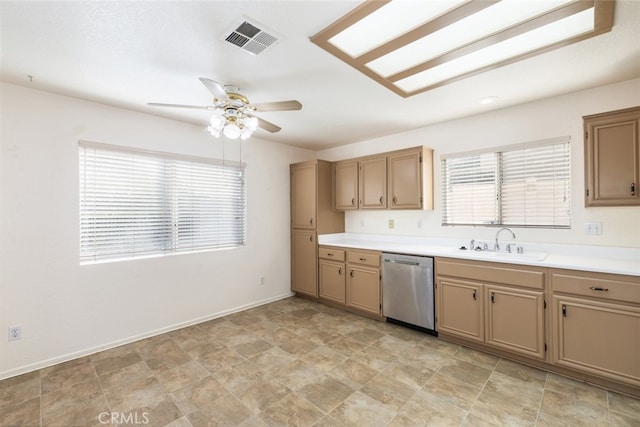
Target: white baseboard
x=77, y=354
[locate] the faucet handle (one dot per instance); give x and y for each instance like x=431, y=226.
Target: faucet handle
x=509, y=247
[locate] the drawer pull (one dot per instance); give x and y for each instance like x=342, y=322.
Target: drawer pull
x=564, y=310
x=353, y=201
x=339, y=271
x=311, y=238
x=329, y=253
x=493, y=298
x=381, y=199
x=351, y=273
x=395, y=200
x=363, y=259
x=474, y=295
x=633, y=188
x=597, y=288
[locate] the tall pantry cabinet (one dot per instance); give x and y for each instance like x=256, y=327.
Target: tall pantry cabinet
x=311, y=214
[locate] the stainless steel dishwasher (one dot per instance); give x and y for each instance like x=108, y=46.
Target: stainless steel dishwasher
x=407, y=291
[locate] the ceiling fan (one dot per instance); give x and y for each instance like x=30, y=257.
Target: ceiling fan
x=233, y=115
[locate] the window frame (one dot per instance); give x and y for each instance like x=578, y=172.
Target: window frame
x=559, y=170
x=181, y=220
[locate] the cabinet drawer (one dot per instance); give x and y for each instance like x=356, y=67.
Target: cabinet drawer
x=510, y=274
x=331, y=253
x=596, y=285
x=364, y=257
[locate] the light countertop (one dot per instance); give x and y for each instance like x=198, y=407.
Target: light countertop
x=575, y=257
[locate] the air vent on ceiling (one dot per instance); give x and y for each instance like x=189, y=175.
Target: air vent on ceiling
x=250, y=36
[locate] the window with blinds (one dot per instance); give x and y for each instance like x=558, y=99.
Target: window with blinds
x=135, y=203
x=520, y=186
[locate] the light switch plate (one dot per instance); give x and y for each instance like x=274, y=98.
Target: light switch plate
x=392, y=223
x=593, y=228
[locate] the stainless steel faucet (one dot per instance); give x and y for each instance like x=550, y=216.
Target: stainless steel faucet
x=496, y=246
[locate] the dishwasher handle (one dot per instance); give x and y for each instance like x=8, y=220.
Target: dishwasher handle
x=398, y=261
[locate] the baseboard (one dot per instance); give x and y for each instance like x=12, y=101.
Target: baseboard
x=86, y=352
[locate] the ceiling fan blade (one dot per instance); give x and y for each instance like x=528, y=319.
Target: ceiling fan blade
x=215, y=88
x=278, y=106
x=268, y=126
x=194, y=107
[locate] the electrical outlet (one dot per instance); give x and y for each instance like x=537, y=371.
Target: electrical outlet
x=593, y=228
x=15, y=333
x=392, y=223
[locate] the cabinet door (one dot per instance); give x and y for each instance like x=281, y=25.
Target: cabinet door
x=303, y=195
x=373, y=183
x=612, y=157
x=515, y=320
x=405, y=181
x=363, y=289
x=460, y=308
x=332, y=281
x=597, y=337
x=304, y=262
x=346, y=185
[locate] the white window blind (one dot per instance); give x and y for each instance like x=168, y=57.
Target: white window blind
x=135, y=203
x=522, y=186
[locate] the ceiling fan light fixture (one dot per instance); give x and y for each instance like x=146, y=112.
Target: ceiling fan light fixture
x=231, y=131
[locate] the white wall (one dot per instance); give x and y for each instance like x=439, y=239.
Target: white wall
x=543, y=119
x=67, y=310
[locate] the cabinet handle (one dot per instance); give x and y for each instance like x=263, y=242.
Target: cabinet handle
x=633, y=188
x=351, y=273
x=597, y=288
x=339, y=271
x=474, y=295
x=353, y=201
x=493, y=298
x=363, y=259
x=329, y=253
x=395, y=200
x=311, y=238
x=564, y=310
x=381, y=199
x=311, y=221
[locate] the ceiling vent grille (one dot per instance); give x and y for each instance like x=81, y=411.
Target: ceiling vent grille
x=250, y=36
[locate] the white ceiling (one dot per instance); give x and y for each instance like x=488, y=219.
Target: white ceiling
x=129, y=53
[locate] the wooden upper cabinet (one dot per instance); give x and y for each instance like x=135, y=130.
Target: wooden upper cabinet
x=411, y=179
x=612, y=158
x=373, y=183
x=346, y=184
x=303, y=195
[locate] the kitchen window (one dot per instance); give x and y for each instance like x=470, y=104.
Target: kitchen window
x=525, y=185
x=136, y=203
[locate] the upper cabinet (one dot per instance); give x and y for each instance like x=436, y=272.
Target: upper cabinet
x=612, y=158
x=395, y=180
x=373, y=183
x=346, y=184
x=303, y=195
x=411, y=179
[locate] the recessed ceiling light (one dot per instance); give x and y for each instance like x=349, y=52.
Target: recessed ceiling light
x=411, y=47
x=488, y=100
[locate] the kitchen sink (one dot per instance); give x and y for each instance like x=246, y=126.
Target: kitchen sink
x=512, y=256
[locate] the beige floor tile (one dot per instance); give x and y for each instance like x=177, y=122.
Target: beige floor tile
x=162, y=354
x=137, y=394
x=298, y=346
x=25, y=413
x=197, y=395
x=574, y=408
x=452, y=390
x=237, y=376
x=68, y=395
x=223, y=358
x=251, y=348
x=226, y=411
x=292, y=410
x=260, y=393
x=324, y=358
x=19, y=389
x=477, y=358
x=297, y=374
x=624, y=405
x=353, y=373
x=124, y=376
x=507, y=414
x=122, y=359
x=467, y=372
x=366, y=335
x=502, y=388
x=623, y=420
x=361, y=410
x=325, y=392
x=414, y=375
x=521, y=372
x=423, y=410
x=272, y=360
x=93, y=412
x=388, y=391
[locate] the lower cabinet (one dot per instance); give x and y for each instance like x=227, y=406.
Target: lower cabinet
x=304, y=262
x=504, y=309
x=332, y=273
x=350, y=278
x=596, y=324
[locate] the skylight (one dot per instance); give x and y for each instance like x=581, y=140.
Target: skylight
x=413, y=46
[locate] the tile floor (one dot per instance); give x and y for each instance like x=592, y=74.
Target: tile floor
x=295, y=362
